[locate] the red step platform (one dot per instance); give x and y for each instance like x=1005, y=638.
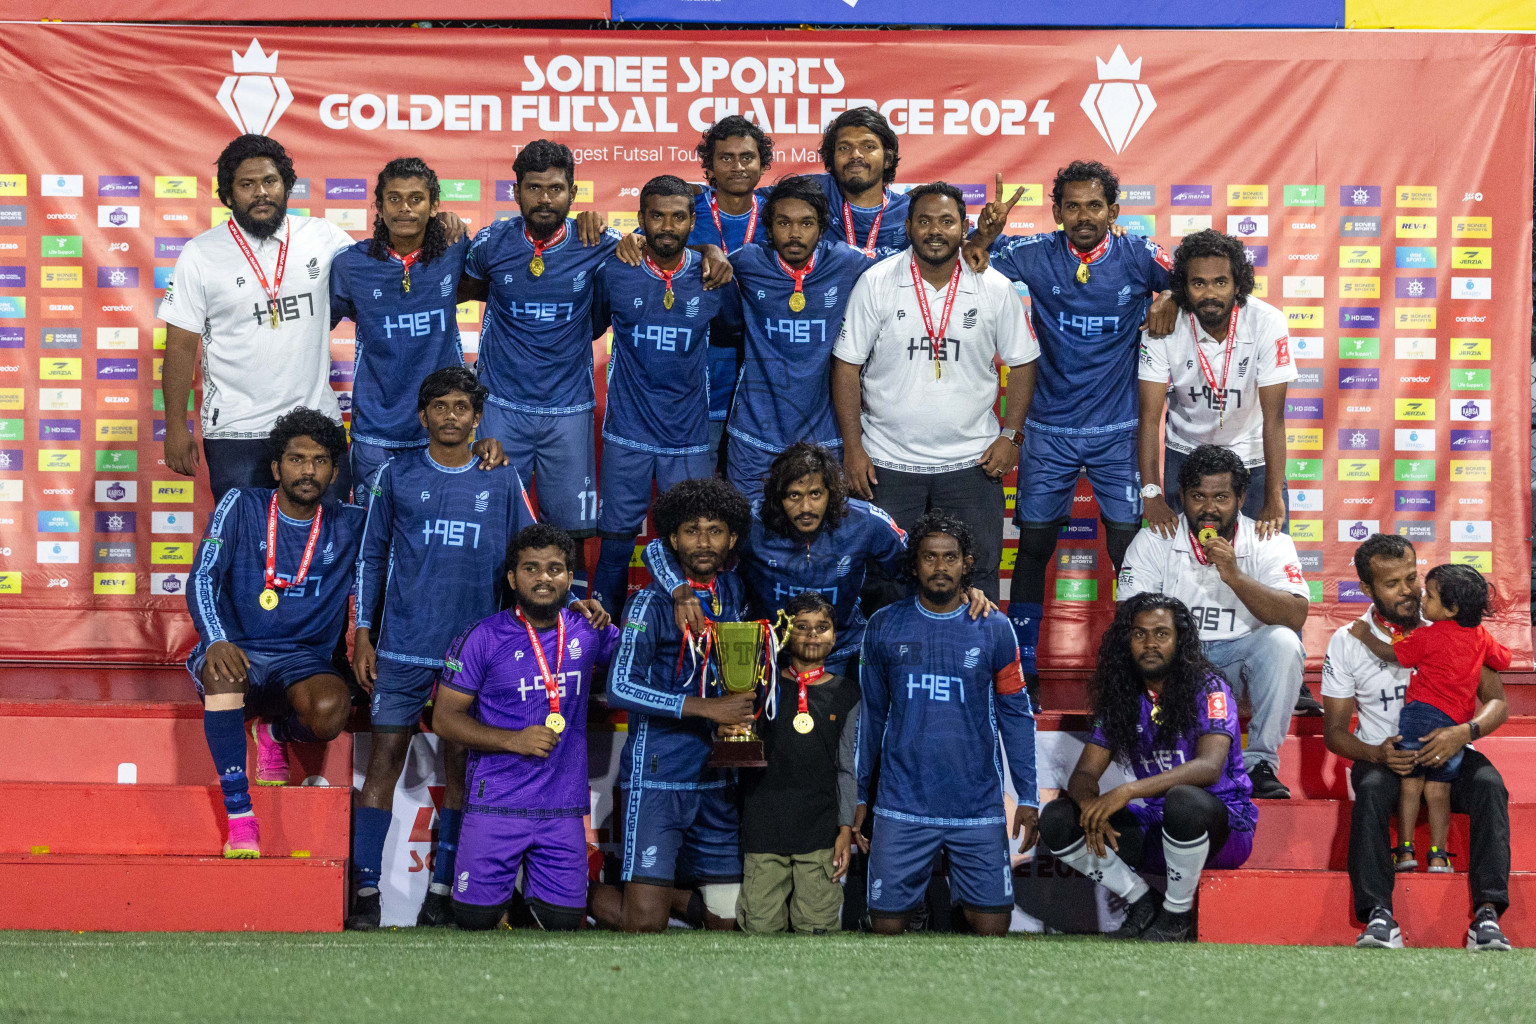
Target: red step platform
x=1312, y=834
x=109, y=820
x=1313, y=908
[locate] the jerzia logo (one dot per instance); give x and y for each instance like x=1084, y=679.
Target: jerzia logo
x=254, y=97
x=1118, y=104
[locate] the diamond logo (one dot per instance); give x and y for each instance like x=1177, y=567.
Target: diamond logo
x=254, y=97
x=1118, y=104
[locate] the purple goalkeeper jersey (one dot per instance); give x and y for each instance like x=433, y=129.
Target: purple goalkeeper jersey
x=494, y=662
x=1216, y=712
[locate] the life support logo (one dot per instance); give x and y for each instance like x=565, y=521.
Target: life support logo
x=1118, y=104
x=254, y=96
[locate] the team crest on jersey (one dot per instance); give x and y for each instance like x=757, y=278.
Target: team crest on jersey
x=968, y=318
x=1242, y=368
x=844, y=564
x=691, y=307
x=1125, y=295
x=972, y=656
x=574, y=647
x=482, y=501
x=579, y=281
x=1216, y=706
x=446, y=287
x=313, y=268
x=329, y=554
x=830, y=298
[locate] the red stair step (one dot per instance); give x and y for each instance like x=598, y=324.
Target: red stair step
x=1313, y=908
x=1313, y=834
x=1311, y=771
x=167, y=894
x=95, y=818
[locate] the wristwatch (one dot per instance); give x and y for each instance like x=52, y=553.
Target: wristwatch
x=1015, y=437
x=1151, y=491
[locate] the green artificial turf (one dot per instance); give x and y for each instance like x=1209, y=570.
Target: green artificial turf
x=432, y=976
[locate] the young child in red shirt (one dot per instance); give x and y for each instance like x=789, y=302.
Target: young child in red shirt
x=1447, y=658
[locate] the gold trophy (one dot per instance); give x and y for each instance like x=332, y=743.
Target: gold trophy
x=746, y=655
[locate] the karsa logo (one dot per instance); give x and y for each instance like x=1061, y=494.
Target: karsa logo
x=254, y=96
x=1119, y=103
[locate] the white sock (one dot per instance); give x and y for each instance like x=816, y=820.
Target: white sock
x=1109, y=870
x=440, y=888
x=1184, y=863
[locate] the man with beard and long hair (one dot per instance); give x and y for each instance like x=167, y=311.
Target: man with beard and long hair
x=943, y=704
x=1355, y=681
x=656, y=423
x=1162, y=710
x=860, y=151
x=1245, y=592
x=251, y=298
x=914, y=383
x=514, y=691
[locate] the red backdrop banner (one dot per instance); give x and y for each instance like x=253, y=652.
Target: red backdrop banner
x=1381, y=180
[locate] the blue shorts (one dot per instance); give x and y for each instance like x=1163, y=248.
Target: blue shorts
x=556, y=457
x=1048, y=469
x=366, y=460
x=901, y=860
x=400, y=693
x=681, y=836
x=1420, y=719
x=269, y=676
x=624, y=489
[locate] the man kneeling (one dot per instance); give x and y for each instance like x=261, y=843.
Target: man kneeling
x=1164, y=710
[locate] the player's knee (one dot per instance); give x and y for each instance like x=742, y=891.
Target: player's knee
x=473, y=917
x=720, y=899
x=1059, y=826
x=1184, y=813
x=1277, y=645
x=325, y=714
x=555, y=919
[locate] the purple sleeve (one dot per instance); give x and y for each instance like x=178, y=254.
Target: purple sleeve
x=465, y=665
x=1216, y=710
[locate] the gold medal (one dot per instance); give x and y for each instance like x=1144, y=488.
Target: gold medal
x=536, y=266
x=667, y=299
x=937, y=373
x=555, y=723
x=268, y=599
x=797, y=301
x=274, y=316
x=1082, y=273
x=405, y=282
x=804, y=723
x=1207, y=535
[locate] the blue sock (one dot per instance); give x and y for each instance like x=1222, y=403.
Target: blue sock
x=448, y=822
x=225, y=731
x=1025, y=616
x=611, y=577
x=370, y=826
x=291, y=730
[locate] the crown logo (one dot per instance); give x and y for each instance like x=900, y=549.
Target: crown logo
x=255, y=62
x=253, y=97
x=1118, y=104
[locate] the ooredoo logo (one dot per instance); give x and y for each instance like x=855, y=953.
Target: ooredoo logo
x=254, y=97
x=1118, y=104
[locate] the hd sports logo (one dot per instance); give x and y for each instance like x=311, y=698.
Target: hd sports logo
x=254, y=96
x=1119, y=103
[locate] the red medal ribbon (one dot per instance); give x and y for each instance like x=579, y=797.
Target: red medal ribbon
x=408, y=259
x=805, y=678
x=551, y=685
x=935, y=338
x=665, y=275
x=1209, y=371
x=714, y=212
x=539, y=247
x=711, y=588
x=1085, y=258
x=874, y=231
x=261, y=276
x=1194, y=543
x=799, y=275
x=1392, y=630
x=273, y=583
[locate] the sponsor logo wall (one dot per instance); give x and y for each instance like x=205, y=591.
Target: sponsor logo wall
x=1402, y=269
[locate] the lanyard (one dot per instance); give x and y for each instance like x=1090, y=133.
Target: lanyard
x=797, y=300
x=407, y=259
x=714, y=593
x=273, y=584
x=935, y=338
x=536, y=265
x=714, y=212
x=874, y=231
x=666, y=277
x=1197, y=547
x=803, y=722
x=261, y=277
x=1085, y=258
x=1226, y=365
x=551, y=685
x=1393, y=630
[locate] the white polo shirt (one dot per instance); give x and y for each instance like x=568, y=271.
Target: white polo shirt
x=911, y=421
x=1351, y=670
x=1261, y=356
x=254, y=373
x=1157, y=564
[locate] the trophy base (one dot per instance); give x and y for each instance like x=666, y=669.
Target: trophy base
x=738, y=754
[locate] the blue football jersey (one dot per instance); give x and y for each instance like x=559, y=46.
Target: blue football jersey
x=892, y=235
x=939, y=691
x=435, y=540
x=1089, y=334
x=230, y=574
x=784, y=392
x=658, y=372
x=401, y=336
x=664, y=750
x=732, y=232
x=775, y=568
x=536, y=338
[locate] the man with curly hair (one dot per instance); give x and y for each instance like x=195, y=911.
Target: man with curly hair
x=942, y=692
x=1224, y=372
x=1163, y=711
x=268, y=598
x=678, y=816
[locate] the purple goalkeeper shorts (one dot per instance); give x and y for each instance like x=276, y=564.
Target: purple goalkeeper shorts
x=492, y=847
x=1232, y=854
